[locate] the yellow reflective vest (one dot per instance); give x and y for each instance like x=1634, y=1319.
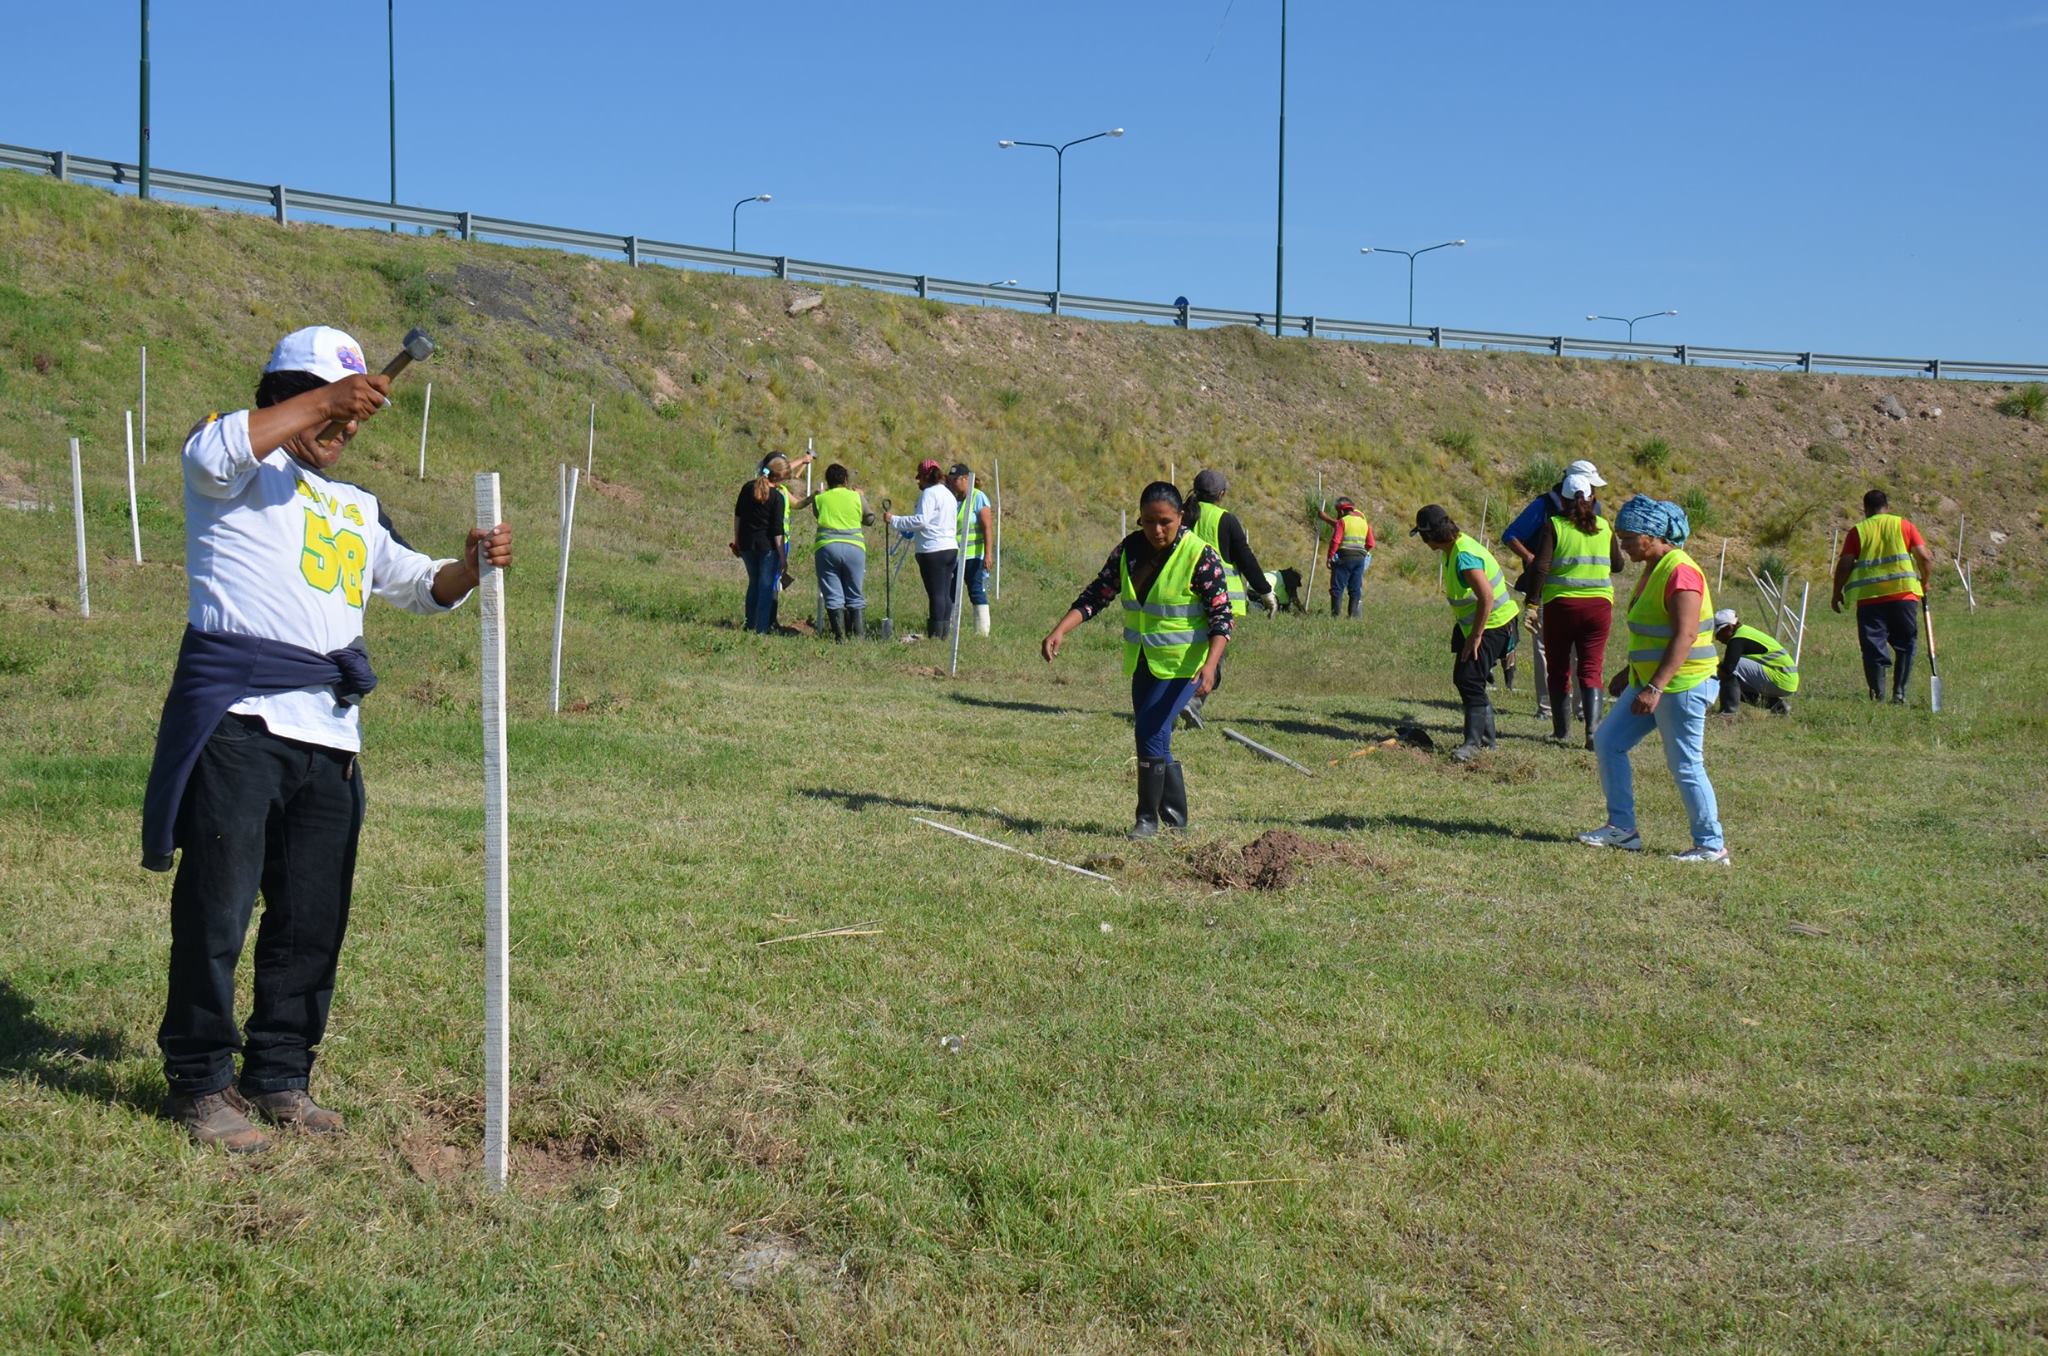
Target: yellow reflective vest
x=1650, y=628
x=1463, y=599
x=1582, y=563
x=1208, y=526
x=839, y=518
x=1170, y=628
x=1776, y=659
x=1883, y=564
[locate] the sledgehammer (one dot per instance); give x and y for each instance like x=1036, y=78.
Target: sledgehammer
x=417, y=346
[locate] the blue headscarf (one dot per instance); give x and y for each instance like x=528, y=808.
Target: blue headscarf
x=1654, y=518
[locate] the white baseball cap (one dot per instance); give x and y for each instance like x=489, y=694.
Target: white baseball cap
x=327, y=353
x=1725, y=617
x=1575, y=484
x=1586, y=469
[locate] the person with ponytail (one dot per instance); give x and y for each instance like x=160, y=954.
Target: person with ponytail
x=760, y=525
x=1574, y=555
x=1176, y=610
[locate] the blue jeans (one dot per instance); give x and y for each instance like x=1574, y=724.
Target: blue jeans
x=1681, y=717
x=1347, y=575
x=1155, y=705
x=764, y=574
x=977, y=580
x=842, y=570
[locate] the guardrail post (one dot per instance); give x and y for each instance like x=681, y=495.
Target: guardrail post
x=1934, y=368
x=782, y=267
x=1806, y=362
x=1053, y=298
x=1557, y=347
x=279, y=201
x=1681, y=356
x=1180, y=305
x=1436, y=335
x=463, y=221
x=633, y=250
x=1308, y=327
x=922, y=290
x=60, y=165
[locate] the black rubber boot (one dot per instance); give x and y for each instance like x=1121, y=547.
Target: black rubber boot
x=1590, y=702
x=1873, y=676
x=1191, y=714
x=1777, y=706
x=1475, y=734
x=1356, y=609
x=836, y=617
x=1333, y=604
x=1507, y=671
x=1173, y=805
x=1560, y=716
x=1486, y=727
x=1902, y=670
x=1151, y=790
x=856, y=622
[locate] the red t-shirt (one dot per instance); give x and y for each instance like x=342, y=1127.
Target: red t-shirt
x=1683, y=579
x=1853, y=548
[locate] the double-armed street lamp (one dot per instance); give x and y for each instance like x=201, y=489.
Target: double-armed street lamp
x=1630, y=321
x=1381, y=249
x=1059, y=155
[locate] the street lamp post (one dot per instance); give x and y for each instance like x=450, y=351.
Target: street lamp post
x=142, y=127
x=1059, y=155
x=1630, y=321
x=758, y=197
x=391, y=70
x=1381, y=249
x=999, y=282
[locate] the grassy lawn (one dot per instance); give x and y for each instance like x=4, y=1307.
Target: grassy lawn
x=1522, y=1094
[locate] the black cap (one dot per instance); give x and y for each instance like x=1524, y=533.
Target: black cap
x=960, y=468
x=1430, y=521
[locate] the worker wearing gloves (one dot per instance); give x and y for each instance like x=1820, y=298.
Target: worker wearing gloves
x=1483, y=614
x=1176, y=610
x=1351, y=546
x=1219, y=530
x=842, y=555
x=1576, y=556
x=1884, y=568
x=1755, y=667
x=1668, y=684
x=975, y=529
x=1520, y=537
x=936, y=527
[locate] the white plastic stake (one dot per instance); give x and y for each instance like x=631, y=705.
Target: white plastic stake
x=817, y=580
x=990, y=842
x=145, y=404
x=1123, y=524
x=562, y=589
x=497, y=950
x=134, y=522
x=1799, y=645
x=1721, y=571
x=590, y=451
x=1316, y=531
x=78, y=521
x=999, y=529
x=426, y=413
x=1484, y=508
x=960, y=585
x=1256, y=747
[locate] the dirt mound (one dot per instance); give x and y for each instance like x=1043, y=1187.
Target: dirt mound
x=1272, y=861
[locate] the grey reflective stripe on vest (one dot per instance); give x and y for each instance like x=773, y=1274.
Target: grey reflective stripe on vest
x=1868, y=580
x=1702, y=648
x=1159, y=639
x=1596, y=580
x=1166, y=609
x=1657, y=652
x=834, y=536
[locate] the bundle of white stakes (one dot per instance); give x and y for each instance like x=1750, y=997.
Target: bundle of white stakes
x=497, y=950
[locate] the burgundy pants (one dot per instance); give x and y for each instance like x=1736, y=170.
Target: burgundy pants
x=1575, y=626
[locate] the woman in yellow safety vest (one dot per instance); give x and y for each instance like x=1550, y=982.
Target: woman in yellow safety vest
x=1176, y=609
x=842, y=554
x=1573, y=557
x=1668, y=683
x=1483, y=620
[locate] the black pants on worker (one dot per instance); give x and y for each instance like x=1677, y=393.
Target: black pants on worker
x=1470, y=676
x=1888, y=633
x=270, y=814
x=937, y=568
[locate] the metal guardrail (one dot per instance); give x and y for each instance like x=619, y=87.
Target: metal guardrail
x=282, y=202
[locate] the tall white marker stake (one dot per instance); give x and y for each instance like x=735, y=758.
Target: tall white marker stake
x=817, y=579
x=590, y=452
x=426, y=413
x=1315, y=531
x=145, y=404
x=562, y=591
x=1721, y=571
x=134, y=523
x=1799, y=645
x=497, y=951
x=999, y=529
x=78, y=521
x=960, y=585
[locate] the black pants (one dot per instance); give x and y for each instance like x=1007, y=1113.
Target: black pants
x=1884, y=632
x=938, y=569
x=265, y=813
x=1470, y=676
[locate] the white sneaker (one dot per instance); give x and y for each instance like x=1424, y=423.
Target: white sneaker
x=1607, y=836
x=1711, y=856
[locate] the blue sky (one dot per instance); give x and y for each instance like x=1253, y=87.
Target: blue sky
x=1861, y=178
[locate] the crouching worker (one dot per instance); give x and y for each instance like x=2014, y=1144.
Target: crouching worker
x=255, y=776
x=1755, y=668
x=1483, y=615
x=1176, y=607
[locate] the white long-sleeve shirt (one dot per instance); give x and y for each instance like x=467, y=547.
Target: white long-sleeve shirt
x=273, y=549
x=936, y=522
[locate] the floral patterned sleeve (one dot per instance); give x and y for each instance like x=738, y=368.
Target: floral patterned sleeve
x=1107, y=588
x=1212, y=589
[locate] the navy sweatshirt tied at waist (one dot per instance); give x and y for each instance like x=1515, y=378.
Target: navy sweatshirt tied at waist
x=216, y=670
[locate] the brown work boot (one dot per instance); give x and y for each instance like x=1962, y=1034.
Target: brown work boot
x=220, y=1118
x=293, y=1108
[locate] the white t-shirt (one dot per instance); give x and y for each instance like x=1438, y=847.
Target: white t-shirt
x=936, y=521
x=273, y=549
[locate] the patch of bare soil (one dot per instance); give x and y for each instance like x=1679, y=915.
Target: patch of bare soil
x=1272, y=861
x=618, y=494
x=925, y=671
x=758, y=1255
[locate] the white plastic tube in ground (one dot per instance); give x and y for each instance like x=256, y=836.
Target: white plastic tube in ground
x=497, y=951
x=426, y=413
x=562, y=589
x=590, y=451
x=998, y=546
x=145, y=404
x=134, y=521
x=78, y=523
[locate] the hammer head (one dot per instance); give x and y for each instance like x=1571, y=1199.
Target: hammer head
x=418, y=346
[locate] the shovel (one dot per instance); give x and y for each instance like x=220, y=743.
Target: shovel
x=1933, y=664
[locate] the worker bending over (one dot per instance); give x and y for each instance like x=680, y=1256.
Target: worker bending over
x=1755, y=667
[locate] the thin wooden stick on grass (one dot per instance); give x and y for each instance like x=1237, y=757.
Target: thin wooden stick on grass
x=867, y=929
x=1256, y=747
x=1162, y=1188
x=990, y=842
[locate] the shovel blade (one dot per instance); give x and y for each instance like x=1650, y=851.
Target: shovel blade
x=1934, y=694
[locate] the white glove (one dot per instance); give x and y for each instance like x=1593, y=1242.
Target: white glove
x=1271, y=601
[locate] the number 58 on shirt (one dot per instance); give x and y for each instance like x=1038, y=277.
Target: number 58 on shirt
x=332, y=558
